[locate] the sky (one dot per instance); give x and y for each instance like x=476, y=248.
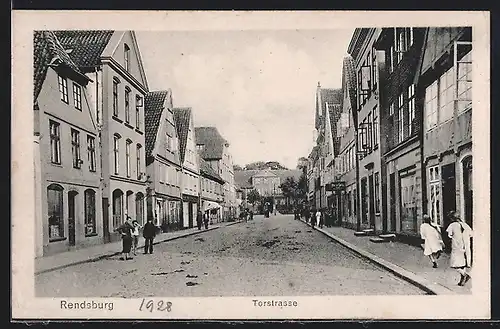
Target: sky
x=257, y=87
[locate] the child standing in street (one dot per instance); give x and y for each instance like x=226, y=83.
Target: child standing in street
x=135, y=236
x=433, y=243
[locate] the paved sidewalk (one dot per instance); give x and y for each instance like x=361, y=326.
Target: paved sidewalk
x=94, y=253
x=404, y=260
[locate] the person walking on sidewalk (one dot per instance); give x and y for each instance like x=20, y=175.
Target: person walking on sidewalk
x=126, y=230
x=433, y=242
x=318, y=217
x=321, y=221
x=313, y=217
x=199, y=219
x=206, y=219
x=149, y=234
x=135, y=236
x=461, y=256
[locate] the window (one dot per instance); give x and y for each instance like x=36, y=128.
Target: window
x=77, y=96
x=446, y=96
x=138, y=160
x=75, y=148
x=55, y=142
x=161, y=174
x=391, y=59
x=464, y=83
x=431, y=105
x=126, y=52
x=138, y=104
x=376, y=129
x=167, y=169
x=391, y=109
x=369, y=132
x=400, y=118
x=115, y=96
x=377, y=192
x=199, y=147
x=55, y=211
x=116, y=153
x=127, y=156
x=403, y=40
x=63, y=88
x=434, y=190
x=127, y=104
x=169, y=143
x=139, y=208
x=90, y=222
x=374, y=69
x=355, y=201
x=91, y=152
x=411, y=108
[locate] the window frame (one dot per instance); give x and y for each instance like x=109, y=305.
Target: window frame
x=115, y=93
x=127, y=104
x=411, y=109
x=401, y=116
x=63, y=88
x=126, y=57
x=59, y=195
x=75, y=148
x=116, y=153
x=127, y=157
x=55, y=142
x=434, y=206
x=138, y=150
x=91, y=152
x=77, y=96
x=376, y=178
x=137, y=112
x=90, y=214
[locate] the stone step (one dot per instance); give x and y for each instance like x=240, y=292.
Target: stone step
x=360, y=233
x=378, y=240
x=389, y=236
x=369, y=231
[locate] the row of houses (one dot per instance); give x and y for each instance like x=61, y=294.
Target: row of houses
x=395, y=142
x=106, y=147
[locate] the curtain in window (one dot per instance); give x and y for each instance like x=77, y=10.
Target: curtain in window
x=55, y=211
x=90, y=222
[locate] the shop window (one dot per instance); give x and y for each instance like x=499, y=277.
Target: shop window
x=55, y=212
x=434, y=179
x=90, y=216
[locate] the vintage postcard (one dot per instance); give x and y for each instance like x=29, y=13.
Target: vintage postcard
x=250, y=165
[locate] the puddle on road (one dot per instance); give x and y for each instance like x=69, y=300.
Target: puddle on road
x=191, y=276
x=190, y=284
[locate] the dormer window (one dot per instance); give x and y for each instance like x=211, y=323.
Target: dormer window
x=126, y=51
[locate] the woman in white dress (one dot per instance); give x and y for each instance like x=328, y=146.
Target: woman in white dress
x=433, y=245
x=461, y=255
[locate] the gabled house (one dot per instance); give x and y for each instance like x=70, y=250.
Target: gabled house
x=190, y=189
x=345, y=196
x=212, y=191
x=372, y=167
x=163, y=167
x=214, y=149
x=113, y=61
x=328, y=109
x=446, y=97
x=67, y=169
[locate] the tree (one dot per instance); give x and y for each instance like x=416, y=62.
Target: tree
x=261, y=165
x=289, y=188
x=302, y=162
x=237, y=167
x=253, y=196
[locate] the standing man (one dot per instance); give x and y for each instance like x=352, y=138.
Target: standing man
x=318, y=217
x=199, y=219
x=149, y=233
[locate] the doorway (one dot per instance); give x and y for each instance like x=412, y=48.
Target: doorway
x=105, y=219
x=190, y=214
x=371, y=197
x=467, y=189
x=392, y=196
x=448, y=181
x=71, y=217
x=364, y=204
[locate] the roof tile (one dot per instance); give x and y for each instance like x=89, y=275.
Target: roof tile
x=213, y=142
x=182, y=116
x=154, y=105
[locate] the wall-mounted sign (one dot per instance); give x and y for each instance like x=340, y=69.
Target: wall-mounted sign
x=336, y=186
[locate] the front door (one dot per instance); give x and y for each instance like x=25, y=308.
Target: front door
x=467, y=189
x=372, y=202
x=190, y=209
x=392, y=196
x=71, y=218
x=105, y=219
x=448, y=181
x=364, y=203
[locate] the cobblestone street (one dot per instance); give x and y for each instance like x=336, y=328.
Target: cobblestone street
x=274, y=256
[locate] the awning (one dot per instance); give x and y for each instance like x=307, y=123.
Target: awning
x=209, y=205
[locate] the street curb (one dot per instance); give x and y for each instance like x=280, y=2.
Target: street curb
x=410, y=277
x=95, y=259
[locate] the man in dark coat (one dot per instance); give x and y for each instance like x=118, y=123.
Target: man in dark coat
x=206, y=219
x=199, y=219
x=149, y=233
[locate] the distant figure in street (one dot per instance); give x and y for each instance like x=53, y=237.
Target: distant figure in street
x=149, y=234
x=135, y=236
x=313, y=218
x=206, y=219
x=307, y=214
x=251, y=214
x=461, y=255
x=433, y=242
x=126, y=230
x=318, y=217
x=321, y=220
x=199, y=219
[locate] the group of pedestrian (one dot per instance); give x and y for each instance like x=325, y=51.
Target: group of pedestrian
x=130, y=231
x=460, y=234
x=202, y=219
